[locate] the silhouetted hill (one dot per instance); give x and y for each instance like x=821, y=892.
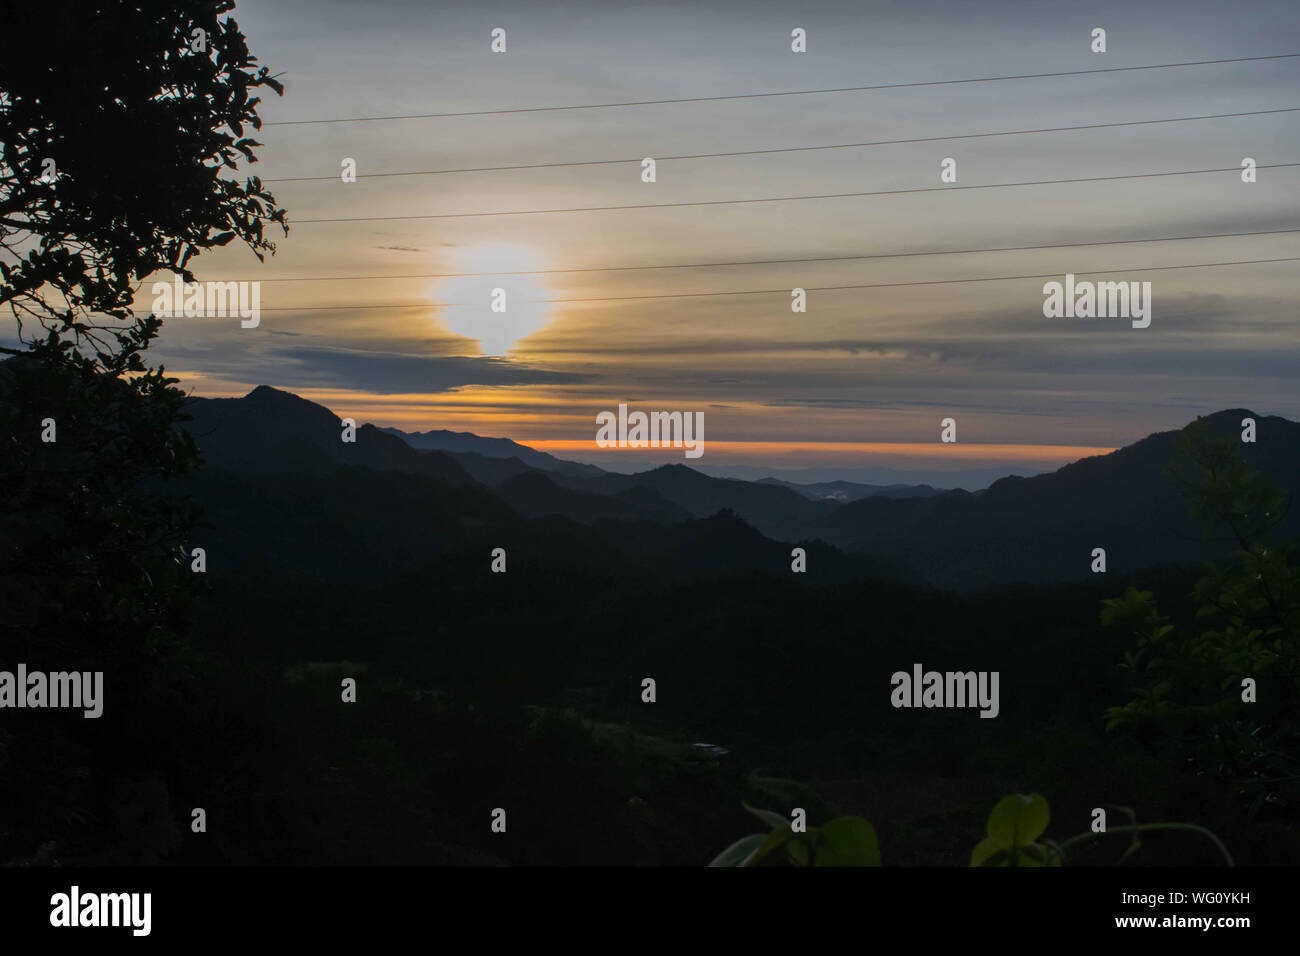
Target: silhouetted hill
x=1037, y=529
x=269, y=430
x=349, y=523
x=281, y=489
x=533, y=495
x=725, y=543
x=779, y=513
x=393, y=521
x=1044, y=528
x=468, y=442
x=490, y=471
x=844, y=491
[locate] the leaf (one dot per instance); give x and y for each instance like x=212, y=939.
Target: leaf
x=1034, y=854
x=771, y=842
x=848, y=841
x=985, y=851
x=1018, y=820
x=772, y=819
x=798, y=847
x=740, y=851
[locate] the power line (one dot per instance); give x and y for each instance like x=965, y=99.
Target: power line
x=785, y=149
x=768, y=262
x=830, y=288
x=893, y=285
x=738, y=202
x=750, y=96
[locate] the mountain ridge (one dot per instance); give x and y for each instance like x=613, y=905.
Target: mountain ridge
x=1038, y=529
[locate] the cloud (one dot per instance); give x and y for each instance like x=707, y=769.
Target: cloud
x=860, y=359
x=389, y=373
x=377, y=372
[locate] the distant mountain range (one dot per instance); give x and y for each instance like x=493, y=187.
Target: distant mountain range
x=853, y=491
x=469, y=443
x=806, y=481
x=1036, y=529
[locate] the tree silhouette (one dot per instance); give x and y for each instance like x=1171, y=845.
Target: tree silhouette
x=113, y=139
x=116, y=125
x=1187, y=677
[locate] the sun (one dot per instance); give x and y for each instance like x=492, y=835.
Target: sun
x=496, y=310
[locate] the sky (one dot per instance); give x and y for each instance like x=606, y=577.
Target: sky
x=859, y=383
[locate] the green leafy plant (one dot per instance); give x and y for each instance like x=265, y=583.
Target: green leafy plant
x=1016, y=826
x=1015, y=823
x=1186, y=678
x=1014, y=837
x=843, y=841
